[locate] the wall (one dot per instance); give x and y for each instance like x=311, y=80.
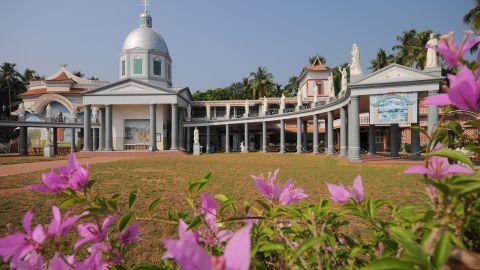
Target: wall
x=122, y=112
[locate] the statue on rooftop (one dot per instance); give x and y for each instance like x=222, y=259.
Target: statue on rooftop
x=189, y=112
x=20, y=112
x=282, y=103
x=208, y=109
x=299, y=98
x=247, y=107
x=331, y=86
x=49, y=112
x=432, y=58
x=343, y=71
x=265, y=105
x=227, y=111
x=355, y=68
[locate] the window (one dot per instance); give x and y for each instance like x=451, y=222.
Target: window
x=157, y=67
x=137, y=66
x=123, y=67
x=378, y=136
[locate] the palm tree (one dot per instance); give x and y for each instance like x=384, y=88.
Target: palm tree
x=292, y=87
x=10, y=79
x=473, y=17
x=78, y=73
x=247, y=87
x=381, y=61
x=411, y=50
x=261, y=83
x=311, y=59
x=30, y=74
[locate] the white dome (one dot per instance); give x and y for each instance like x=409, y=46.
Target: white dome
x=145, y=38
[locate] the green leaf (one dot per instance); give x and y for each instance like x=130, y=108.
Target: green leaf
x=413, y=251
x=198, y=184
x=131, y=198
x=473, y=148
x=454, y=126
x=452, y=154
x=195, y=221
x=68, y=202
x=389, y=264
x=124, y=221
x=307, y=244
x=272, y=247
x=90, y=184
x=474, y=123
x=442, y=251
x=221, y=197
x=153, y=204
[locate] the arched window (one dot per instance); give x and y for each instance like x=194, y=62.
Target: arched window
x=137, y=66
x=157, y=67
x=123, y=68
x=169, y=71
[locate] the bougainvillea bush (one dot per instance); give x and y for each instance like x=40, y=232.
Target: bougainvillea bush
x=278, y=230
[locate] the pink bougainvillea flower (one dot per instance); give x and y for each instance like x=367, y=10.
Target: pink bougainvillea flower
x=275, y=193
x=463, y=93
x=341, y=194
x=185, y=235
x=71, y=176
x=17, y=245
x=190, y=255
x=130, y=234
x=209, y=206
x=450, y=50
x=51, y=183
x=60, y=226
x=59, y=262
x=90, y=232
x=31, y=261
x=96, y=260
x=76, y=175
x=438, y=168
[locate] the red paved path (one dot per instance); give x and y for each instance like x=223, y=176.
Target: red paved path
x=83, y=158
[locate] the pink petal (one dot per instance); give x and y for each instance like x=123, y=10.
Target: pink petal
x=469, y=45
x=27, y=222
x=190, y=256
x=38, y=234
x=338, y=193
x=237, y=250
x=58, y=263
x=459, y=169
x=417, y=169
x=438, y=100
x=358, y=189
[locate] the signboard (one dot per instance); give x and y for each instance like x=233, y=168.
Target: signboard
x=398, y=108
x=137, y=131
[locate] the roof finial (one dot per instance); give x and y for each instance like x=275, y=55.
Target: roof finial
x=145, y=4
x=63, y=65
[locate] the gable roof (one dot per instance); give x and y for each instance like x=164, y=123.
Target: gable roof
x=130, y=80
x=395, y=73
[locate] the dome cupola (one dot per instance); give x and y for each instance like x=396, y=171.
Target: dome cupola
x=145, y=54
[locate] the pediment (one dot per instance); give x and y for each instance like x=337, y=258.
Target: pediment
x=394, y=73
x=129, y=88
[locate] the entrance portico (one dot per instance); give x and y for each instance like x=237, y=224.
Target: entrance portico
x=138, y=115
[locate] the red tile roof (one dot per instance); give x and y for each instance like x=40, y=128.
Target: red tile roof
x=43, y=91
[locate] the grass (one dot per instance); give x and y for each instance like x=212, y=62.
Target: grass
x=166, y=177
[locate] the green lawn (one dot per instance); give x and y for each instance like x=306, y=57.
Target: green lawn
x=167, y=176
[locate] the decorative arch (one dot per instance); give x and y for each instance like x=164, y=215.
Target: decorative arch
x=43, y=101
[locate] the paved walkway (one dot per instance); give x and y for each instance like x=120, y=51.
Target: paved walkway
x=82, y=157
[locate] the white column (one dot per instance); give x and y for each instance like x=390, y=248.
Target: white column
x=343, y=132
x=153, y=128
x=174, y=124
x=227, y=138
x=108, y=128
x=299, y=135
x=315, y=134
x=87, y=128
x=432, y=114
x=264, y=136
x=282, y=136
x=330, y=136
x=354, y=148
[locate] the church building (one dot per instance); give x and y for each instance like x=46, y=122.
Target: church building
x=142, y=110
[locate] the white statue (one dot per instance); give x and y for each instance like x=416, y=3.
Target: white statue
x=355, y=68
x=242, y=147
x=265, y=105
x=282, y=103
x=299, y=98
x=331, y=86
x=196, y=136
x=208, y=110
x=94, y=113
x=227, y=111
x=74, y=113
x=315, y=94
x=247, y=107
x=49, y=111
x=20, y=112
x=49, y=139
x=189, y=112
x=432, y=59
x=343, y=71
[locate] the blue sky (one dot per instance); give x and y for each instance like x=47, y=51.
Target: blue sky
x=214, y=42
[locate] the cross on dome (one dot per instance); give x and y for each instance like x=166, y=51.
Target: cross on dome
x=145, y=4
